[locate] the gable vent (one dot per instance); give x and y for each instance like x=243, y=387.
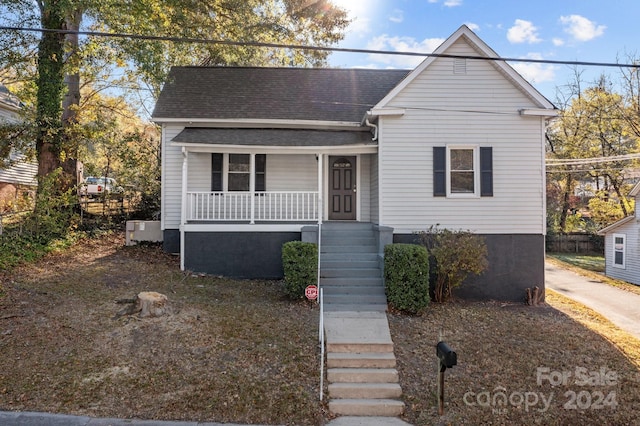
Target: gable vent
x=459, y=66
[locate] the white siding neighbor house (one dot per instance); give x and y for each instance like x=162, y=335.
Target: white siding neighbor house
x=255, y=157
x=20, y=175
x=622, y=245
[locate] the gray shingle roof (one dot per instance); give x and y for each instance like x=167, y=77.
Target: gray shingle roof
x=272, y=137
x=326, y=94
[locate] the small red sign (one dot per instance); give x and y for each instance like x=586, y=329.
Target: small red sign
x=311, y=292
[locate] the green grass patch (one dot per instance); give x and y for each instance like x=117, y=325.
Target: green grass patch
x=590, y=263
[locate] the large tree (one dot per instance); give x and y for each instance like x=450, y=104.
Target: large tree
x=62, y=61
x=594, y=128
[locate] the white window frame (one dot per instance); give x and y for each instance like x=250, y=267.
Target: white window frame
x=619, y=248
x=476, y=171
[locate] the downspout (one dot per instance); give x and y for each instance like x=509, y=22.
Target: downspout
x=375, y=129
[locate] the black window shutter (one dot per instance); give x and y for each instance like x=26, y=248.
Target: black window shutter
x=439, y=171
x=486, y=171
x=216, y=172
x=261, y=172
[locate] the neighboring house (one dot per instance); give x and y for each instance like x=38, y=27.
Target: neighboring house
x=253, y=155
x=20, y=176
x=622, y=245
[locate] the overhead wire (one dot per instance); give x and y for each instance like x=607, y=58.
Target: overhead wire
x=316, y=48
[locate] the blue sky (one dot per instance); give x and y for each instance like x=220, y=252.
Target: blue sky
x=565, y=30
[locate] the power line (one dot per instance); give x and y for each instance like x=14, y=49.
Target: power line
x=594, y=160
x=316, y=48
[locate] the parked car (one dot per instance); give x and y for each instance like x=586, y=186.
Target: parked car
x=100, y=186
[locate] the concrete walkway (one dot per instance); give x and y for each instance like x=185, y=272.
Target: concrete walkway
x=362, y=330
x=619, y=306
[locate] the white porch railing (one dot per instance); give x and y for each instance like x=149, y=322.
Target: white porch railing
x=289, y=206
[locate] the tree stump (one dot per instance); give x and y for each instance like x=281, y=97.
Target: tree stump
x=147, y=304
x=151, y=304
x=535, y=296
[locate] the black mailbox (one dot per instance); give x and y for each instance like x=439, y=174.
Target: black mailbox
x=448, y=358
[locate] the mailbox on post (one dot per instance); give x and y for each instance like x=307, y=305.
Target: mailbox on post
x=447, y=358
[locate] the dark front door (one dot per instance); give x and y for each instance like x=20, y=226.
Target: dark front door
x=342, y=188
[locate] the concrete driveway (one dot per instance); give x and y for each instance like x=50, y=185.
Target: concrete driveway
x=619, y=306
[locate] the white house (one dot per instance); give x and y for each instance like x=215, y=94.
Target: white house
x=20, y=176
x=253, y=156
x=622, y=245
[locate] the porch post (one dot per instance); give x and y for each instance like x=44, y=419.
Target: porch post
x=320, y=187
x=252, y=185
x=183, y=209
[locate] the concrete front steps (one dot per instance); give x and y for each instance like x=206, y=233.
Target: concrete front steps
x=350, y=273
x=361, y=373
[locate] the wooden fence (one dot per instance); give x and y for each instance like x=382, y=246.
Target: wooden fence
x=575, y=243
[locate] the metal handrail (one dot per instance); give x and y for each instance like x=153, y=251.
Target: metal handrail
x=321, y=297
x=321, y=321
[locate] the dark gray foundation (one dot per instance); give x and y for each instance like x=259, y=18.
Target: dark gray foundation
x=171, y=241
x=237, y=254
x=516, y=262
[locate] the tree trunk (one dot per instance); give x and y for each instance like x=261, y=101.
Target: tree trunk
x=566, y=202
x=71, y=100
x=50, y=83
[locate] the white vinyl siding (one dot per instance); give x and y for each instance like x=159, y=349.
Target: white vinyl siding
x=292, y=172
x=364, y=188
x=479, y=108
x=374, y=189
x=171, y=178
x=630, y=232
x=21, y=172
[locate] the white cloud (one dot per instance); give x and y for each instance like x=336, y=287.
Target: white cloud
x=472, y=26
x=523, y=32
x=397, y=16
x=453, y=3
x=581, y=28
x=535, y=72
x=557, y=42
x=402, y=44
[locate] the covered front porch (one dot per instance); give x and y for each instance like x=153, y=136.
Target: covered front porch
x=280, y=183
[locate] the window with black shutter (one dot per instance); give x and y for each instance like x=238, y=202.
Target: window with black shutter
x=238, y=172
x=456, y=171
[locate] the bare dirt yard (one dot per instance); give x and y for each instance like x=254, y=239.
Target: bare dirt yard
x=238, y=351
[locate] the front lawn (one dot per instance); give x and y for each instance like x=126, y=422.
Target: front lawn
x=590, y=263
x=239, y=351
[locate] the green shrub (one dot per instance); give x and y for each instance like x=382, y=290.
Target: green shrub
x=455, y=255
x=300, y=263
x=406, y=277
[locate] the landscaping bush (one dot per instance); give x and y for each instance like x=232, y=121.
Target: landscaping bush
x=300, y=263
x=406, y=277
x=454, y=255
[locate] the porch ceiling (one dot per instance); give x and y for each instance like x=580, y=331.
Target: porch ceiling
x=272, y=137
